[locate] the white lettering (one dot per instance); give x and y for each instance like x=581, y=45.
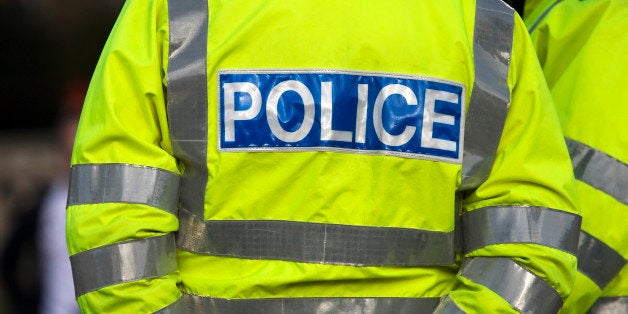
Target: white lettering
x=231, y=115
x=386, y=119
x=327, y=133
x=430, y=116
x=272, y=114
x=382, y=134
x=361, y=114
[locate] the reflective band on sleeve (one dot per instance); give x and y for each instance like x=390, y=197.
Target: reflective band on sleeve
x=181, y=305
x=599, y=170
x=448, y=306
x=520, y=224
x=314, y=242
x=123, y=262
x=123, y=183
x=609, y=305
x=187, y=96
x=198, y=304
x=522, y=289
x=597, y=260
x=490, y=98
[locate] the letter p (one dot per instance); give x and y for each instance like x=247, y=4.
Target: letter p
x=231, y=114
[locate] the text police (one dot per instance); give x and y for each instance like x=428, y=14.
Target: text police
x=313, y=110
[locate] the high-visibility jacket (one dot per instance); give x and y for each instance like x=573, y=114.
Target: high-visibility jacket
x=314, y=156
x=582, y=46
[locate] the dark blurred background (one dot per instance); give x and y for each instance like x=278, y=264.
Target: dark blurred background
x=48, y=50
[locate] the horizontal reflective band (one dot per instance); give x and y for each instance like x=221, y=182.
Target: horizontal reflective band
x=522, y=289
x=490, y=97
x=597, y=260
x=599, y=170
x=314, y=242
x=609, y=305
x=123, y=262
x=448, y=306
x=198, y=304
x=520, y=224
x=123, y=183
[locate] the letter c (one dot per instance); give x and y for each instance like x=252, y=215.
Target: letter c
x=382, y=134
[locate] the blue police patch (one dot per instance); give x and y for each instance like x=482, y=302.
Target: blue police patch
x=355, y=112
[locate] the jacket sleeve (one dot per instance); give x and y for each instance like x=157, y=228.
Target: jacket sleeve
x=123, y=198
x=520, y=226
x=582, y=48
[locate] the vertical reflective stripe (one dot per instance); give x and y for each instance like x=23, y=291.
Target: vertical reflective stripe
x=610, y=305
x=521, y=224
x=448, y=306
x=187, y=96
x=199, y=304
x=123, y=262
x=597, y=260
x=123, y=183
x=490, y=98
x=542, y=16
x=599, y=170
x=522, y=289
x=458, y=241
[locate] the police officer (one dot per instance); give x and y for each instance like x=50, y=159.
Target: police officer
x=582, y=46
x=316, y=156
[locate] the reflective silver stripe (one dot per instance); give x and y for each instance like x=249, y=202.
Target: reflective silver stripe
x=521, y=224
x=314, y=242
x=488, y=107
x=458, y=223
x=542, y=16
x=597, y=260
x=448, y=306
x=599, y=170
x=610, y=305
x=124, y=183
x=522, y=289
x=123, y=262
x=187, y=96
x=199, y=304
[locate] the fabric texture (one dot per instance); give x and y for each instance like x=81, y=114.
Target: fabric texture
x=582, y=49
x=136, y=115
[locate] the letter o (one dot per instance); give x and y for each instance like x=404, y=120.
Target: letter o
x=272, y=114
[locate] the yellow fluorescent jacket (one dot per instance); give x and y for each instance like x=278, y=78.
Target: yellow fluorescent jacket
x=312, y=156
x=582, y=46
